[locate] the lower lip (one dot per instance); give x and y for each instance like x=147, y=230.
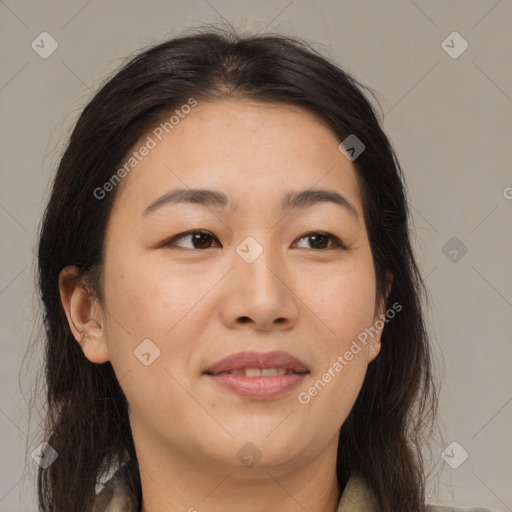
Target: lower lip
x=258, y=387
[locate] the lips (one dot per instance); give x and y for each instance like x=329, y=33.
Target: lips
x=268, y=363
x=258, y=375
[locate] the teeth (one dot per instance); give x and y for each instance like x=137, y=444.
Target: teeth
x=257, y=372
x=253, y=372
x=273, y=372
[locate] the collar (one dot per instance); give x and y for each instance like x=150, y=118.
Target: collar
x=114, y=497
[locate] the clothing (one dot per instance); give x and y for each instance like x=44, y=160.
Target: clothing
x=356, y=497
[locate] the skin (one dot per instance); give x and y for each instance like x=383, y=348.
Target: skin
x=199, y=305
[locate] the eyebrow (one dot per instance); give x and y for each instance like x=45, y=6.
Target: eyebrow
x=217, y=199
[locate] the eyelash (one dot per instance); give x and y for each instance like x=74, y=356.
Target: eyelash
x=338, y=244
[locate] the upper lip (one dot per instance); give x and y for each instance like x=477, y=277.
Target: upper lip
x=276, y=359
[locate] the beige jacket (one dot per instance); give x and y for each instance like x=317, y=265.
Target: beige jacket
x=355, y=498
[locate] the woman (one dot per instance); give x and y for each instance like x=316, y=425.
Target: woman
x=232, y=306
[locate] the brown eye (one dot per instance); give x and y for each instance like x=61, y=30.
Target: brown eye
x=321, y=239
x=199, y=239
x=202, y=240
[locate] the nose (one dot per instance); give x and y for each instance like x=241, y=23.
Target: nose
x=260, y=293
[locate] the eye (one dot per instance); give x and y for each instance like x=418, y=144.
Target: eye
x=202, y=239
x=198, y=238
x=320, y=237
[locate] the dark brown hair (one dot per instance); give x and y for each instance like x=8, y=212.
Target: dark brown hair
x=87, y=412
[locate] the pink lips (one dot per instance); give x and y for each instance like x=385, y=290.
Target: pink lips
x=258, y=360
x=259, y=387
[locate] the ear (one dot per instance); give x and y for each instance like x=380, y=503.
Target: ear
x=379, y=320
x=84, y=315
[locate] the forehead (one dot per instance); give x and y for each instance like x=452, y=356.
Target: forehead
x=251, y=151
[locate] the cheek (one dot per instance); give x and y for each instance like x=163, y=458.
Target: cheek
x=150, y=302
x=344, y=300
x=345, y=303
x=142, y=305
x=167, y=306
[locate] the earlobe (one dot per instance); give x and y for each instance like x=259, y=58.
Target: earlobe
x=374, y=348
x=84, y=316
x=379, y=320
x=376, y=330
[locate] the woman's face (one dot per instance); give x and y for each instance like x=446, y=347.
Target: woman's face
x=261, y=278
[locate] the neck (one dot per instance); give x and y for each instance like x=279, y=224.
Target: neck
x=180, y=482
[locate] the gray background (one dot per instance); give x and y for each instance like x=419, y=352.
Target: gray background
x=449, y=119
